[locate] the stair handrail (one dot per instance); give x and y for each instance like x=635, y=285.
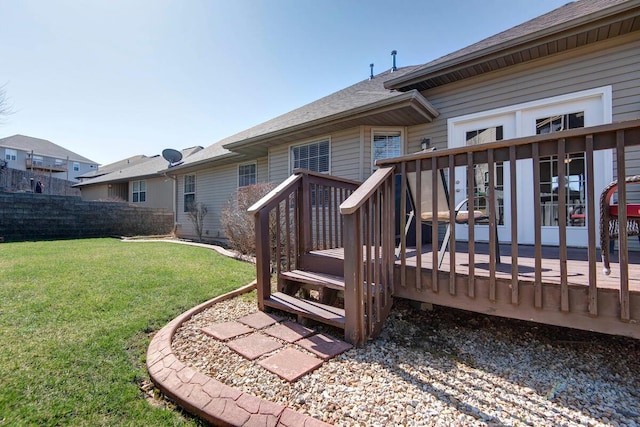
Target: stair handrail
x=368, y=259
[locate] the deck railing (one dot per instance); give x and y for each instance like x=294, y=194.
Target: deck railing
x=297, y=217
x=361, y=215
x=369, y=255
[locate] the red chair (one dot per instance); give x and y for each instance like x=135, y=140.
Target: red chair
x=609, y=224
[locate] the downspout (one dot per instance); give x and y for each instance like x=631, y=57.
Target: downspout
x=175, y=202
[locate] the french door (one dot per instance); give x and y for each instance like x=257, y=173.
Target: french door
x=582, y=109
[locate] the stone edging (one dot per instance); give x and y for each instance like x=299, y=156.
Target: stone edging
x=206, y=397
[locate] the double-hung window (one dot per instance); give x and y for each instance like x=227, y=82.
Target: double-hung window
x=313, y=156
x=386, y=144
x=189, y=192
x=10, y=154
x=139, y=191
x=247, y=174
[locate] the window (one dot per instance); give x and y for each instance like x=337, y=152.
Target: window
x=10, y=154
x=313, y=156
x=386, y=145
x=247, y=174
x=481, y=172
x=59, y=162
x=38, y=161
x=575, y=178
x=139, y=191
x=189, y=192
x=76, y=166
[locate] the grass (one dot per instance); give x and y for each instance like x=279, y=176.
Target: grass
x=75, y=317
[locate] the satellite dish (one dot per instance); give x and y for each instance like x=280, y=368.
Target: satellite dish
x=172, y=156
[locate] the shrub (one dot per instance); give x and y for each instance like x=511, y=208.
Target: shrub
x=197, y=212
x=239, y=224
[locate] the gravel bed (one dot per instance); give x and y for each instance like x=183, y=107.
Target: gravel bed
x=442, y=368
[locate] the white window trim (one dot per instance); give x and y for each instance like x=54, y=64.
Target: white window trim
x=387, y=129
x=195, y=189
x=255, y=163
x=307, y=142
x=13, y=154
x=139, y=181
x=604, y=92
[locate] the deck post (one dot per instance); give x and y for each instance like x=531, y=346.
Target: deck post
x=263, y=258
x=354, y=329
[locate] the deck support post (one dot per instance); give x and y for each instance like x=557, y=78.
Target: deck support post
x=354, y=330
x=263, y=258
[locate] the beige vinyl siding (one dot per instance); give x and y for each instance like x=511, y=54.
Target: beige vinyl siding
x=263, y=169
x=345, y=154
x=278, y=163
x=159, y=193
x=583, y=69
x=94, y=192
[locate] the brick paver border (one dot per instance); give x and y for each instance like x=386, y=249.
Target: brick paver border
x=206, y=397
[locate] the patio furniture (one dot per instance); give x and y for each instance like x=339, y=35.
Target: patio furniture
x=442, y=216
x=609, y=223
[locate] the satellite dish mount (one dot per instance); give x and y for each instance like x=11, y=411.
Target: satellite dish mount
x=172, y=156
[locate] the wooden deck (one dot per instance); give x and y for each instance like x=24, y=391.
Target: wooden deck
x=482, y=294
x=577, y=264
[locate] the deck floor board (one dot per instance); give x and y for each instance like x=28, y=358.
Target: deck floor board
x=577, y=264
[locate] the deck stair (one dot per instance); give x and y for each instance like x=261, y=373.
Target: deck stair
x=322, y=306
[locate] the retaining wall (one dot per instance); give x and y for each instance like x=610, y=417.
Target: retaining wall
x=29, y=216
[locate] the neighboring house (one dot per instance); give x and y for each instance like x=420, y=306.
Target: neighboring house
x=44, y=158
x=120, y=164
x=576, y=66
x=136, y=180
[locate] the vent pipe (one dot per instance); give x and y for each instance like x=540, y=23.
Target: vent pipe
x=394, y=53
x=371, y=75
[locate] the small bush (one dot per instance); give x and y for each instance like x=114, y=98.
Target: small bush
x=238, y=224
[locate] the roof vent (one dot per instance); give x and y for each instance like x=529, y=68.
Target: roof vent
x=394, y=53
x=371, y=75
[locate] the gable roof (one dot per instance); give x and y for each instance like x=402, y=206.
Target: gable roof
x=146, y=167
x=366, y=102
x=103, y=170
x=41, y=147
x=573, y=25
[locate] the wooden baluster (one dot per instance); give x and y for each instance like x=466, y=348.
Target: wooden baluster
x=492, y=225
x=537, y=226
x=562, y=225
x=623, y=239
x=435, y=176
x=515, y=287
x=287, y=219
x=452, y=222
x=278, y=237
x=417, y=218
x=403, y=224
x=471, y=206
x=591, y=227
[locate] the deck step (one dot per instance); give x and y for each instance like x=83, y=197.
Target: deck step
x=307, y=309
x=316, y=279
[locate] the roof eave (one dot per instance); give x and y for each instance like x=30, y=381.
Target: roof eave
x=401, y=100
x=419, y=75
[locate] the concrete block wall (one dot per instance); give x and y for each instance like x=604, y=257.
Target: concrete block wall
x=29, y=216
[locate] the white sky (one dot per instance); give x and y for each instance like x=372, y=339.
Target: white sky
x=109, y=79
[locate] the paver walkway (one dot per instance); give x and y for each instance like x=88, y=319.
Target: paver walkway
x=256, y=337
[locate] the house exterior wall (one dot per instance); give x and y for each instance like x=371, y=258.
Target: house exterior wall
x=215, y=186
x=614, y=63
x=159, y=193
x=95, y=192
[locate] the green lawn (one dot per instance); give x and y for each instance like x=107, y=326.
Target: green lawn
x=74, y=320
